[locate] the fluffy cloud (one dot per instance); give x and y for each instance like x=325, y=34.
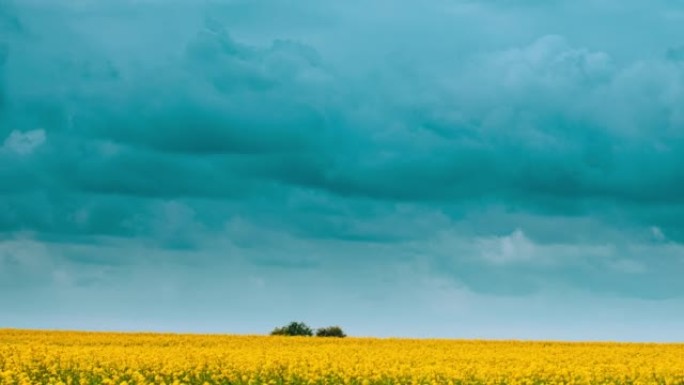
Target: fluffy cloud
x=23, y=143
x=508, y=249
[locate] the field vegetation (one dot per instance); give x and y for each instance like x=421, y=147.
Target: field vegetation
x=69, y=358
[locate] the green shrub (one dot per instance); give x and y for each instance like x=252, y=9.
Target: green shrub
x=330, y=331
x=293, y=329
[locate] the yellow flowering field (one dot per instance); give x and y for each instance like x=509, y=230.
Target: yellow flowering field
x=45, y=357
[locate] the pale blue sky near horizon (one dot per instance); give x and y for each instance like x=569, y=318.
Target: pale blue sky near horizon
x=500, y=169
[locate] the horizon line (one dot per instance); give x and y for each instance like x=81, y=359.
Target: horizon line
x=408, y=338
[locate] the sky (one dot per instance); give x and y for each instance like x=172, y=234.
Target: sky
x=498, y=169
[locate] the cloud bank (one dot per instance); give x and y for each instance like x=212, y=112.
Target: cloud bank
x=390, y=156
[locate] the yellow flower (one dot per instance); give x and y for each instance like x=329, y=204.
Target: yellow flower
x=35, y=357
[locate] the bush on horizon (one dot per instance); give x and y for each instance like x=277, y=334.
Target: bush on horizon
x=302, y=329
x=293, y=329
x=330, y=331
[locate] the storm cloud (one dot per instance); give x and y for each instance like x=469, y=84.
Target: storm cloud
x=456, y=157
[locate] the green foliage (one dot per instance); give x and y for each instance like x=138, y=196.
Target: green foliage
x=293, y=329
x=330, y=331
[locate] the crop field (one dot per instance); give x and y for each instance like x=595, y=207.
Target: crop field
x=36, y=357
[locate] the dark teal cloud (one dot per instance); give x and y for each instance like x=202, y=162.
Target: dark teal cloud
x=365, y=152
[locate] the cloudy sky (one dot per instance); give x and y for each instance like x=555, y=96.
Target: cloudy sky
x=446, y=168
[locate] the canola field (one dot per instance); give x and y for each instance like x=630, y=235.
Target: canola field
x=36, y=357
